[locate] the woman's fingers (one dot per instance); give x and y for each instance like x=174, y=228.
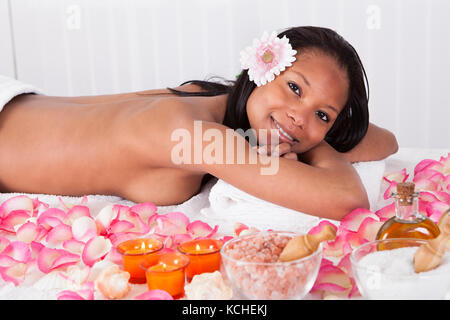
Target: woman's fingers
x=290, y=156
x=278, y=150
x=281, y=149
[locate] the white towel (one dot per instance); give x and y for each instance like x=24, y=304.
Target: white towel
x=9, y=88
x=229, y=204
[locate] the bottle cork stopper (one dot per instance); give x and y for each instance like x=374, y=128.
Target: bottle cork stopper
x=405, y=188
x=429, y=255
x=304, y=245
x=404, y=192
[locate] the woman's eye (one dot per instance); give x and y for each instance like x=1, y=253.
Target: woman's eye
x=323, y=116
x=295, y=88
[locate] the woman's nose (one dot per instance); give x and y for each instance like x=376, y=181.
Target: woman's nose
x=298, y=119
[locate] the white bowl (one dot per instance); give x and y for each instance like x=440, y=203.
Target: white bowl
x=384, y=270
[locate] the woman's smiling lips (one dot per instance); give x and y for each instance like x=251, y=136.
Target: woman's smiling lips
x=282, y=132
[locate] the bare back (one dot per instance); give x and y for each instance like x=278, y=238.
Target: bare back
x=88, y=145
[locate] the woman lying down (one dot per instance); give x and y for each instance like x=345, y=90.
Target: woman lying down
x=286, y=131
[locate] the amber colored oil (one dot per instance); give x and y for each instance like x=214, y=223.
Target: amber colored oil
x=421, y=228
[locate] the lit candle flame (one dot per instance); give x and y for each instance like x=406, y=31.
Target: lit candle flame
x=143, y=246
x=197, y=247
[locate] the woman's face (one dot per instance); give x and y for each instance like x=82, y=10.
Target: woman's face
x=304, y=100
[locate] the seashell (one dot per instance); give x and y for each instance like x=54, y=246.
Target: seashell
x=208, y=286
x=112, y=282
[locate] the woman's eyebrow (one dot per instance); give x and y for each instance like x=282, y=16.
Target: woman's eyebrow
x=309, y=85
x=303, y=77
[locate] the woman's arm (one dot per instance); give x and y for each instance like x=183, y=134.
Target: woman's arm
x=327, y=186
x=377, y=144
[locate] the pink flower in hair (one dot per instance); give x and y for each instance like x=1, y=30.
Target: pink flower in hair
x=267, y=57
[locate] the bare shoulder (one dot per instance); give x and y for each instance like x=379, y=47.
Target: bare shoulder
x=155, y=127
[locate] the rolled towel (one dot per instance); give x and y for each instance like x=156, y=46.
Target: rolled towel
x=229, y=205
x=10, y=88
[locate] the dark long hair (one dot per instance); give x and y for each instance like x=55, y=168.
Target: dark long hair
x=351, y=124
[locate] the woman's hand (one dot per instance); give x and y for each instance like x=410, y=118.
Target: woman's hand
x=281, y=150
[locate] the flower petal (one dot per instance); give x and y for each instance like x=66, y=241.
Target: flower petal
x=145, y=210
x=369, y=229
x=49, y=259
x=14, y=218
x=16, y=203
x=353, y=220
x=154, y=294
x=59, y=234
x=19, y=251
x=95, y=249
x=238, y=228
x=76, y=212
x=201, y=229
x=320, y=226
x=427, y=164
x=29, y=232
x=386, y=212
x=4, y=242
x=74, y=246
x=398, y=176
x=15, y=274
x=105, y=216
x=84, y=228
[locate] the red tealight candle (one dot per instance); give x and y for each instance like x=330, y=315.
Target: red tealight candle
x=136, y=250
x=166, y=272
x=204, y=255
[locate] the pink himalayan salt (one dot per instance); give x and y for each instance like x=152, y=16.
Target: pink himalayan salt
x=290, y=280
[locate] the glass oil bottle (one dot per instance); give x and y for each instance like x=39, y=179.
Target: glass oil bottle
x=407, y=222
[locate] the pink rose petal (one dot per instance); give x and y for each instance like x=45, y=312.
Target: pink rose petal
x=399, y=176
x=14, y=218
x=49, y=259
x=238, y=228
x=435, y=210
x=145, y=210
x=105, y=216
x=170, y=223
x=386, y=212
x=118, y=226
x=320, y=226
x=154, y=294
x=39, y=207
x=428, y=196
x=59, y=234
x=445, y=161
x=4, y=242
x=86, y=293
x=16, y=203
x=180, y=238
x=369, y=229
x=76, y=212
x=139, y=226
x=95, y=249
x=427, y=164
x=29, y=232
x=353, y=220
x=15, y=273
x=392, y=188
x=332, y=279
x=84, y=228
x=18, y=250
x=201, y=229
x=74, y=246
x=51, y=218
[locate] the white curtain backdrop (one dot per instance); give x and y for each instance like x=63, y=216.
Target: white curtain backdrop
x=87, y=47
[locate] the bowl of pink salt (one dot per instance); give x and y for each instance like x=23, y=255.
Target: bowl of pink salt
x=253, y=268
x=385, y=270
